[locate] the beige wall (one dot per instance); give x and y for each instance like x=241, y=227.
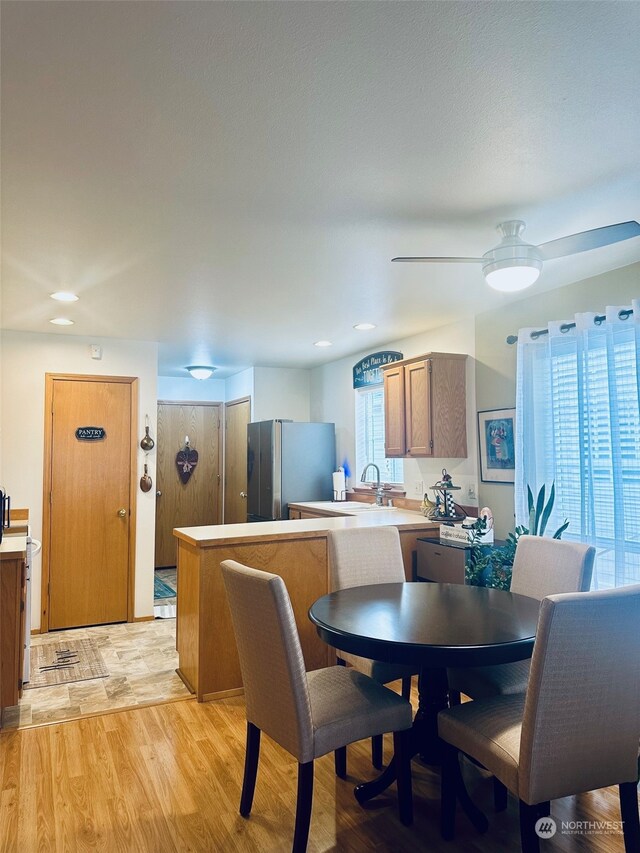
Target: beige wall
x=496, y=360
x=26, y=358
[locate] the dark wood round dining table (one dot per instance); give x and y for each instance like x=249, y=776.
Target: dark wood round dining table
x=432, y=626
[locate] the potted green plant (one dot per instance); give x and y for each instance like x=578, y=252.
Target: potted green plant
x=492, y=567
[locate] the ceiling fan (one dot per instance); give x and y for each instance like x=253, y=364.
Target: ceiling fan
x=513, y=264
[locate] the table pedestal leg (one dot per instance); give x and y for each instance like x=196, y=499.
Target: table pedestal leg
x=432, y=698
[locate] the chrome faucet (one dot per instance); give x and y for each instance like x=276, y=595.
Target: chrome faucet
x=363, y=479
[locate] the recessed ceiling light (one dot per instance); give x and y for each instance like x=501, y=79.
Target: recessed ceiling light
x=61, y=321
x=64, y=296
x=363, y=327
x=323, y=344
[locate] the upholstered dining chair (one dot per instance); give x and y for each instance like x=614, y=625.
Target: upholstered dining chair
x=358, y=557
x=542, y=566
x=308, y=713
x=550, y=742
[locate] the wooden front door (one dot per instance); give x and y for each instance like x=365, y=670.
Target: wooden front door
x=196, y=502
x=237, y=416
x=88, y=501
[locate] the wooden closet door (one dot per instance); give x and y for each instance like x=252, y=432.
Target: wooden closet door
x=196, y=502
x=88, y=523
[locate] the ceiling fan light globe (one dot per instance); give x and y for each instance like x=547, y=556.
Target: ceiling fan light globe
x=509, y=279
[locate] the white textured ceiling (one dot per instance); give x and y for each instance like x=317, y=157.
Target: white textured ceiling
x=231, y=179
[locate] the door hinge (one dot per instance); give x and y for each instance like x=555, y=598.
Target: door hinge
x=430, y=444
x=429, y=367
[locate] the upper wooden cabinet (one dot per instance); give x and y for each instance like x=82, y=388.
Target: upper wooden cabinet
x=425, y=412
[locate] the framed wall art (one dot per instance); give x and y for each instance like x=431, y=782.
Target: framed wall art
x=496, y=435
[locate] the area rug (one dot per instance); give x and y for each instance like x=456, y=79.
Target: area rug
x=162, y=589
x=63, y=661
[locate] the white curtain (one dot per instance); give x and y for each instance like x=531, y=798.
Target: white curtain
x=578, y=428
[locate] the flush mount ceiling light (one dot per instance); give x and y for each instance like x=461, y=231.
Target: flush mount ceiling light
x=61, y=321
x=200, y=371
x=364, y=327
x=64, y=296
x=323, y=344
x=513, y=264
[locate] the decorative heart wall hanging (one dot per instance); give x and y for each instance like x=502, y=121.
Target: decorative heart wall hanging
x=186, y=461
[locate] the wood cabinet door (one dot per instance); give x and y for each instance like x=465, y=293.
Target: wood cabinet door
x=449, y=407
x=394, y=413
x=417, y=394
x=196, y=502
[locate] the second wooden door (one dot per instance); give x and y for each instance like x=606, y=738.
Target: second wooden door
x=196, y=502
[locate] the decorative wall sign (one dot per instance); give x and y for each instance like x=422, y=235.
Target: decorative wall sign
x=186, y=461
x=91, y=433
x=367, y=370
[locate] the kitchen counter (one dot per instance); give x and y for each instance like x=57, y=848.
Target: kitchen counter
x=299, y=528
x=297, y=551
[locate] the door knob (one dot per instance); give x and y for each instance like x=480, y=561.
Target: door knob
x=243, y=494
x=158, y=493
x=122, y=512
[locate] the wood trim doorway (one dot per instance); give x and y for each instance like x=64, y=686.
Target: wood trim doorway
x=50, y=383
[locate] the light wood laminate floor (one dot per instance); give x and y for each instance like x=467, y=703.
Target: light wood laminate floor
x=166, y=779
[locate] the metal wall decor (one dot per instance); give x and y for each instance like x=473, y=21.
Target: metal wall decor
x=147, y=444
x=186, y=461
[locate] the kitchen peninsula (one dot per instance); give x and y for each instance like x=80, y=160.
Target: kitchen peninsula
x=294, y=549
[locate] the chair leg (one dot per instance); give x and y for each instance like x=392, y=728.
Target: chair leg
x=629, y=814
x=340, y=759
x=303, y=807
x=500, y=795
x=448, y=785
x=376, y=752
x=252, y=754
x=401, y=748
x=406, y=688
x=529, y=840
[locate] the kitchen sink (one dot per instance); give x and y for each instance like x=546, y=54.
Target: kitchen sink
x=359, y=506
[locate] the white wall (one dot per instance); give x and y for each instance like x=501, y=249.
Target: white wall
x=333, y=400
x=193, y=390
x=281, y=392
x=239, y=385
x=26, y=357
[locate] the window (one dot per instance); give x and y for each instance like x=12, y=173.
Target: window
x=578, y=427
x=370, y=437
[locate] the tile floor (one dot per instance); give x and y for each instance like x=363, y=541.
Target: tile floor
x=141, y=658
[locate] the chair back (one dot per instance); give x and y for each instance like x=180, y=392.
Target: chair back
x=581, y=722
x=359, y=556
x=271, y=660
x=544, y=566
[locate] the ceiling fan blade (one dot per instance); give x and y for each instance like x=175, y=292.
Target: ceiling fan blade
x=440, y=260
x=585, y=240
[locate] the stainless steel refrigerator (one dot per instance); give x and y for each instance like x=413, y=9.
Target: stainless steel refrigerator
x=288, y=462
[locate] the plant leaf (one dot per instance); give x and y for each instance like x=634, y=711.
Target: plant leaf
x=539, y=506
x=561, y=530
x=547, y=509
x=529, y=498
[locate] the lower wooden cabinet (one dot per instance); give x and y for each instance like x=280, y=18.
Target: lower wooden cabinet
x=12, y=629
